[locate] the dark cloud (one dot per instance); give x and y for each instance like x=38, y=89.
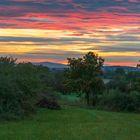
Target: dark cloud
x=58, y=41
x=22, y=7
x=123, y=38
x=116, y=48
x=7, y=25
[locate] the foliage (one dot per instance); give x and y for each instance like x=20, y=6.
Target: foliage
x=136, y=85
x=116, y=100
x=134, y=81
x=84, y=75
x=56, y=81
x=20, y=86
x=7, y=60
x=125, y=82
x=119, y=83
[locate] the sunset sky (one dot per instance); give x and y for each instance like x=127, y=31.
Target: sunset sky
x=52, y=30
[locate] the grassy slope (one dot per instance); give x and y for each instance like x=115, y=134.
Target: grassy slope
x=73, y=124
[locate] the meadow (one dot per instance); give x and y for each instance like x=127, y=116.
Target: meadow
x=73, y=123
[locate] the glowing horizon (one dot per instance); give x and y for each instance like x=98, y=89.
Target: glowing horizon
x=45, y=30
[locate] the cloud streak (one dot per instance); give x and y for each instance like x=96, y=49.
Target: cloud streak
x=30, y=27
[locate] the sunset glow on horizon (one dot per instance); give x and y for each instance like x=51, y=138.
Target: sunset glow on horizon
x=46, y=30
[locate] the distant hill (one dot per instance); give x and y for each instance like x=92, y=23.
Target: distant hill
x=125, y=68
x=50, y=65
x=58, y=66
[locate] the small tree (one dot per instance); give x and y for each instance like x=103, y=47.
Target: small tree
x=84, y=75
x=7, y=60
x=138, y=65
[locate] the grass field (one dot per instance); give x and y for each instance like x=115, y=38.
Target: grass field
x=73, y=124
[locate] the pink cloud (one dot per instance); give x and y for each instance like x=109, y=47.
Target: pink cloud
x=133, y=0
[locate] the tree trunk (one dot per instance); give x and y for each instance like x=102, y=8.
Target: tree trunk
x=93, y=99
x=93, y=102
x=87, y=98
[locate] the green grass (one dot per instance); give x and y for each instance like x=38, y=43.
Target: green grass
x=73, y=124
x=70, y=98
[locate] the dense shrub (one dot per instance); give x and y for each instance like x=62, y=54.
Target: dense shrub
x=20, y=86
x=136, y=84
x=45, y=102
x=115, y=100
x=119, y=83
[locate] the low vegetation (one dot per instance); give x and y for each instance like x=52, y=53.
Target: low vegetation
x=115, y=100
x=21, y=87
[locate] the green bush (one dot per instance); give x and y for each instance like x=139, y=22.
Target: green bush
x=115, y=100
x=20, y=86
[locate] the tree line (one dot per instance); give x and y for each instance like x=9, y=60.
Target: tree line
x=24, y=87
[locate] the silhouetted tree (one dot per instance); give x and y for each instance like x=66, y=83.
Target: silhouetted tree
x=138, y=65
x=84, y=75
x=7, y=60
